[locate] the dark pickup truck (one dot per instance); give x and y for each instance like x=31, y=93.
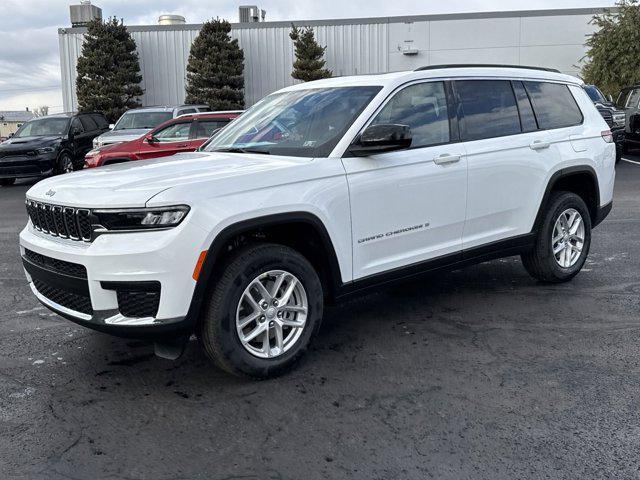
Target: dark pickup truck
x=615, y=118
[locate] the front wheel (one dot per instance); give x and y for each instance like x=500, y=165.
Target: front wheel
x=262, y=312
x=563, y=240
x=65, y=164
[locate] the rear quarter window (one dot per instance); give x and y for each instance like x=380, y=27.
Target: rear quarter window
x=88, y=123
x=101, y=121
x=554, y=105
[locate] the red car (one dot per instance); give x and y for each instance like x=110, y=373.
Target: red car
x=182, y=134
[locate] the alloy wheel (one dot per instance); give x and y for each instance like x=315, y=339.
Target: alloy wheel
x=272, y=314
x=567, y=239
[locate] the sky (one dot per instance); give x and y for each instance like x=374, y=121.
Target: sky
x=29, y=55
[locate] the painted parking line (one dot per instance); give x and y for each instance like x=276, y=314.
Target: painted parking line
x=630, y=161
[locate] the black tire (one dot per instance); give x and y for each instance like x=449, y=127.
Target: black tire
x=217, y=329
x=619, y=153
x=540, y=262
x=64, y=164
x=7, y=182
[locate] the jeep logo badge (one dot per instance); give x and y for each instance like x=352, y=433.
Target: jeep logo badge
x=50, y=193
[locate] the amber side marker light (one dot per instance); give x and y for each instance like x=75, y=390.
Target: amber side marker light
x=199, y=263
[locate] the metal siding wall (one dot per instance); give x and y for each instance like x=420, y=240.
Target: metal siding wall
x=352, y=49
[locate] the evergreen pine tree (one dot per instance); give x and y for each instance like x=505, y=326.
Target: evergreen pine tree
x=215, y=70
x=108, y=70
x=309, y=63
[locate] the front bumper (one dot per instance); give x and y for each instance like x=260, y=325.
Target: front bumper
x=166, y=258
x=25, y=166
x=618, y=135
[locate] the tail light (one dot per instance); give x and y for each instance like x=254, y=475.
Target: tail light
x=607, y=136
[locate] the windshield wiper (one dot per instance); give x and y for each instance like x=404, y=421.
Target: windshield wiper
x=240, y=150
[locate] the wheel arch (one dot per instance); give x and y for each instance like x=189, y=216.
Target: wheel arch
x=292, y=229
x=581, y=180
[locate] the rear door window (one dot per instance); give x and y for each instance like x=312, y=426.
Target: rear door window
x=205, y=128
x=488, y=109
x=423, y=107
x=100, y=121
x=88, y=123
x=553, y=105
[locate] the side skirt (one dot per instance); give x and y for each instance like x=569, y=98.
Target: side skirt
x=484, y=253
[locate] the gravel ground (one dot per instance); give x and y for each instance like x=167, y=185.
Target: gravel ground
x=476, y=374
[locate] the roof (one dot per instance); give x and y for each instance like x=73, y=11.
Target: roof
x=364, y=21
x=16, y=116
x=438, y=72
x=222, y=113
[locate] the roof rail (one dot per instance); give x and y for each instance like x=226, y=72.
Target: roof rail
x=485, y=65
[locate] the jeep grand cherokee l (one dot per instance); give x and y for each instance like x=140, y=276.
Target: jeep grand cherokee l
x=319, y=191
x=49, y=145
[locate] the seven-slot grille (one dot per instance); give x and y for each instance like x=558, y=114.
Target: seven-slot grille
x=63, y=222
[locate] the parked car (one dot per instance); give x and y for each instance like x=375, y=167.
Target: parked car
x=614, y=117
x=629, y=101
x=138, y=121
x=183, y=134
x=323, y=190
x=49, y=145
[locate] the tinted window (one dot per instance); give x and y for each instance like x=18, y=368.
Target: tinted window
x=423, y=107
x=595, y=94
x=527, y=118
x=88, y=123
x=207, y=127
x=174, y=133
x=488, y=109
x=553, y=104
x=76, y=126
x=100, y=121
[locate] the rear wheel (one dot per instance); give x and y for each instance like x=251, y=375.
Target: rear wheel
x=563, y=240
x=6, y=182
x=65, y=164
x=262, y=312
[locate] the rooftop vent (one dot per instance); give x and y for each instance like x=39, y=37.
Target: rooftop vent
x=171, y=20
x=84, y=13
x=251, y=14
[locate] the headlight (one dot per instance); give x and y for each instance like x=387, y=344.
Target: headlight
x=96, y=142
x=140, y=219
x=42, y=151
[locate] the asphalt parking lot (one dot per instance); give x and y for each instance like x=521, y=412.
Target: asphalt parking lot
x=475, y=374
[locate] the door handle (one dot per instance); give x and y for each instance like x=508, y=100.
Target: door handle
x=539, y=145
x=446, y=158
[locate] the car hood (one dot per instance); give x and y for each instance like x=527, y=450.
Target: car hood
x=114, y=136
x=27, y=143
x=133, y=184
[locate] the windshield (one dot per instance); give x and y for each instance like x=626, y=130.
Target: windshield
x=142, y=120
x=595, y=94
x=44, y=127
x=301, y=123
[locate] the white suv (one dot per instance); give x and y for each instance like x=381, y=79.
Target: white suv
x=321, y=190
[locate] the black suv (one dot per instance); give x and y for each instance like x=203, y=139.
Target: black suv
x=49, y=145
x=614, y=117
x=629, y=101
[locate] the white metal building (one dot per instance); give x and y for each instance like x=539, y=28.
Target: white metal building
x=549, y=38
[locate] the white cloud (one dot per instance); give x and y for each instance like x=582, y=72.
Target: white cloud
x=29, y=58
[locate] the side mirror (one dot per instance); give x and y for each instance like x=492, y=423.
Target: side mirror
x=380, y=139
x=111, y=126
x=11, y=134
x=149, y=138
